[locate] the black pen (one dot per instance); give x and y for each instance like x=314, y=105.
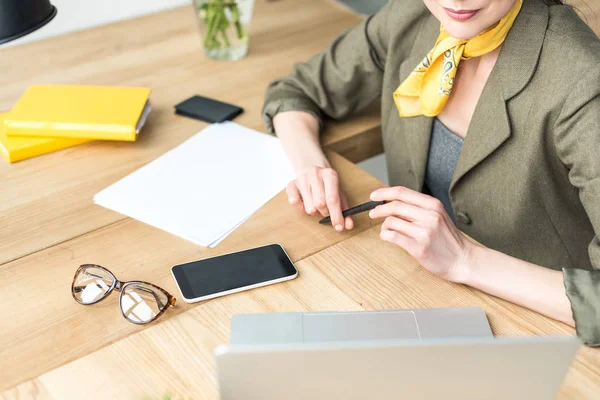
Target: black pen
x=355, y=210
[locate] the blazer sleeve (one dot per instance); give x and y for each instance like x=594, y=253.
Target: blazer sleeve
x=578, y=144
x=345, y=78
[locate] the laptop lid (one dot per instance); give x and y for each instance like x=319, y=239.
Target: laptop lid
x=455, y=369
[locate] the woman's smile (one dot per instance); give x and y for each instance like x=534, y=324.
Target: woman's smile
x=460, y=15
x=465, y=19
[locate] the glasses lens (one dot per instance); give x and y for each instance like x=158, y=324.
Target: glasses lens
x=91, y=284
x=141, y=302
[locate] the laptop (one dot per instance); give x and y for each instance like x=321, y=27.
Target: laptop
x=403, y=354
x=418, y=324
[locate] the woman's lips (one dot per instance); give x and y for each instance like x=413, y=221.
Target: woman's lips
x=460, y=15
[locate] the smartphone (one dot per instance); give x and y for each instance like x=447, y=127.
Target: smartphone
x=208, y=110
x=234, y=272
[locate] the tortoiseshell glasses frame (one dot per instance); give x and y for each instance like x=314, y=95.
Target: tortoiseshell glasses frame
x=120, y=286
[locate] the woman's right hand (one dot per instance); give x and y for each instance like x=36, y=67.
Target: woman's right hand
x=317, y=189
x=317, y=185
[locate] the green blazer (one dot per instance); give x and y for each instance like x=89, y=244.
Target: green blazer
x=527, y=181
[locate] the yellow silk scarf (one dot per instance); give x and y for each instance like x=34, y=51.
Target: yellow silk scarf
x=428, y=87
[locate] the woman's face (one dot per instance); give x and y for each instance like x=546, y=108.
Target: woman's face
x=465, y=19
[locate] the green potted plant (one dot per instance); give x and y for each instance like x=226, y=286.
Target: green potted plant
x=224, y=25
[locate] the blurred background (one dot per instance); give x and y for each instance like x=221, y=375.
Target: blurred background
x=75, y=15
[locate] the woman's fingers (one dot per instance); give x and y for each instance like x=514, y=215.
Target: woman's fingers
x=405, y=211
x=408, y=196
x=348, y=221
x=403, y=227
x=306, y=193
x=294, y=196
x=317, y=188
x=407, y=243
x=332, y=198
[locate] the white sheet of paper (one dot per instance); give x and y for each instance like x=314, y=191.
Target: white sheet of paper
x=220, y=239
x=207, y=186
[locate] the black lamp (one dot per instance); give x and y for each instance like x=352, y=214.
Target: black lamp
x=21, y=17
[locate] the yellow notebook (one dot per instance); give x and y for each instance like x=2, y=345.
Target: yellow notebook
x=19, y=148
x=83, y=112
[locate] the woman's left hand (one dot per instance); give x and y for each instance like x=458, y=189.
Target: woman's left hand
x=420, y=225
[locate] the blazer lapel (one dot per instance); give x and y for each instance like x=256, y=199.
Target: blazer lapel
x=491, y=125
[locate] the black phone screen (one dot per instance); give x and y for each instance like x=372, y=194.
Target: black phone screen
x=233, y=271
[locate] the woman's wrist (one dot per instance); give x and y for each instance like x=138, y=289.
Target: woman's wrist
x=304, y=155
x=526, y=284
x=304, y=164
x=298, y=132
x=468, y=267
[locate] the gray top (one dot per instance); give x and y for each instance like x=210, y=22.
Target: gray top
x=444, y=149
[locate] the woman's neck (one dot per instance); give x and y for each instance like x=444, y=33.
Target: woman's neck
x=468, y=86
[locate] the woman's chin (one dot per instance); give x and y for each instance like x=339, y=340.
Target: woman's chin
x=462, y=30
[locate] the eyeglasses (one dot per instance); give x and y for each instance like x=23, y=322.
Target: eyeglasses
x=140, y=302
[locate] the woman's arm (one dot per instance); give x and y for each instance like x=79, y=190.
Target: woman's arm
x=537, y=288
x=343, y=79
x=299, y=135
x=419, y=224
x=577, y=141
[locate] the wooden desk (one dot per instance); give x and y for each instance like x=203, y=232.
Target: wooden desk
x=589, y=11
x=48, y=200
x=360, y=273
x=42, y=327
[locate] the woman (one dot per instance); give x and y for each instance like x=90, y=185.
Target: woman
x=492, y=109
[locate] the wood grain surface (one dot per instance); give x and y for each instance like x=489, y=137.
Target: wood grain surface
x=43, y=327
x=359, y=273
x=589, y=10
